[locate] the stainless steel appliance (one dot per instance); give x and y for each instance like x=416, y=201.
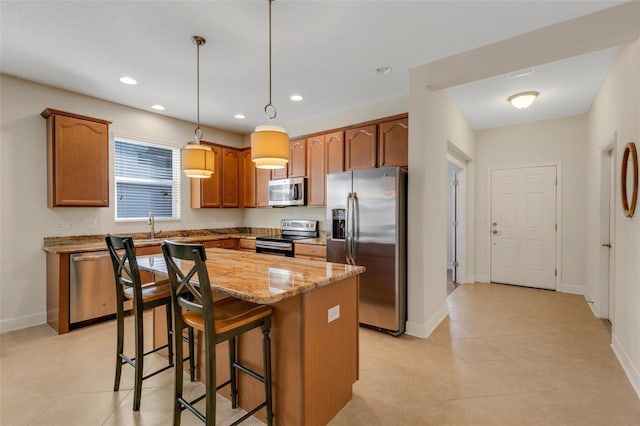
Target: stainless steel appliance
x=290, y=230
x=91, y=286
x=366, y=225
x=287, y=192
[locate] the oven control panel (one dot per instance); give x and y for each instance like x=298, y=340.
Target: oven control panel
x=298, y=225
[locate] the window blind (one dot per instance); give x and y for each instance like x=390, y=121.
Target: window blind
x=147, y=178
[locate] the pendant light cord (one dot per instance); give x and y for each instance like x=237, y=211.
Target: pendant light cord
x=270, y=104
x=198, y=132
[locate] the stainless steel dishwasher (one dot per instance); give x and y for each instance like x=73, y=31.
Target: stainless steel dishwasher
x=92, y=291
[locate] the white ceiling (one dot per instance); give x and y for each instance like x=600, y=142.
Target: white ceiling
x=325, y=50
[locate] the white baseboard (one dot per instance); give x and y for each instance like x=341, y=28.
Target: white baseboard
x=482, y=278
x=595, y=309
x=424, y=330
x=627, y=365
x=19, y=323
x=571, y=288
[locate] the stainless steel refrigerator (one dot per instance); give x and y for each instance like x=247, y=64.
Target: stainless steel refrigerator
x=366, y=225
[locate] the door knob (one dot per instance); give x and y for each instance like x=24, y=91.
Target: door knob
x=608, y=245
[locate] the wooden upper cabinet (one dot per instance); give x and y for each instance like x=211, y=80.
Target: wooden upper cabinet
x=317, y=166
x=230, y=177
x=208, y=192
x=280, y=173
x=298, y=158
x=247, y=179
x=334, y=143
x=393, y=143
x=77, y=160
x=262, y=187
x=360, y=149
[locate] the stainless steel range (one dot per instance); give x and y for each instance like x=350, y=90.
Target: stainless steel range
x=290, y=230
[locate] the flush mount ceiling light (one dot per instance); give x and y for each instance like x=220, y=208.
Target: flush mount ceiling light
x=296, y=98
x=128, y=80
x=270, y=144
x=197, y=160
x=157, y=107
x=523, y=100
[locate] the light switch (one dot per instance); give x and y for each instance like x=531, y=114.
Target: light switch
x=333, y=313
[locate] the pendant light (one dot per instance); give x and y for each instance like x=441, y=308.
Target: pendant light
x=197, y=160
x=270, y=144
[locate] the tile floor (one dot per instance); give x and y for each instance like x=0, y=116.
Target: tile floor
x=505, y=356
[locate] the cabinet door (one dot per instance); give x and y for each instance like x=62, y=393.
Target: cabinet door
x=78, y=157
x=262, y=187
x=316, y=159
x=298, y=158
x=280, y=173
x=335, y=151
x=230, y=177
x=225, y=244
x=208, y=192
x=361, y=148
x=393, y=143
x=248, y=180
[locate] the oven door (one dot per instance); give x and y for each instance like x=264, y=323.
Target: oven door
x=287, y=192
x=275, y=247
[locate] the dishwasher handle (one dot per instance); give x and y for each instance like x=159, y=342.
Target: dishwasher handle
x=93, y=256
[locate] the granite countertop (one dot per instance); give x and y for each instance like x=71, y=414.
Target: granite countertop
x=261, y=278
x=83, y=243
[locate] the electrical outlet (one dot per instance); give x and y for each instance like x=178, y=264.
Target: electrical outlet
x=333, y=313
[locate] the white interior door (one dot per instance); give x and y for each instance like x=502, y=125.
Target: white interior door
x=610, y=232
x=523, y=226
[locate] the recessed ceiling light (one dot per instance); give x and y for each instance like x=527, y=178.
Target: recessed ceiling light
x=240, y=116
x=523, y=100
x=158, y=107
x=296, y=98
x=383, y=70
x=128, y=80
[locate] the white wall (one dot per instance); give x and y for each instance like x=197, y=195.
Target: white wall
x=25, y=217
x=562, y=140
x=616, y=111
x=435, y=122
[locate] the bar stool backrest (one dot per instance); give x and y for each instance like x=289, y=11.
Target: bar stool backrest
x=190, y=286
x=125, y=268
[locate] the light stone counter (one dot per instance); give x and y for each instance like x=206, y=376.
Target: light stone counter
x=260, y=278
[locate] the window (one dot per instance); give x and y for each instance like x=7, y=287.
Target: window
x=147, y=180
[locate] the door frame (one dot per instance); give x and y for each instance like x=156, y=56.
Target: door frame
x=606, y=289
x=458, y=158
x=557, y=164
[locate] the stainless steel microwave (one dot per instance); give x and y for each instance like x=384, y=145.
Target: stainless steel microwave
x=287, y=192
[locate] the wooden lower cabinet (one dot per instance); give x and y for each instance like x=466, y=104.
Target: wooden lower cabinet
x=229, y=243
x=246, y=244
x=310, y=251
x=314, y=363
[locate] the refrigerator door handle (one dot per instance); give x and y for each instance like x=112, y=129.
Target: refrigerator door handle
x=356, y=228
x=347, y=243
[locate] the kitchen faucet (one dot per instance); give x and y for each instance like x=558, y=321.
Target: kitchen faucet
x=152, y=222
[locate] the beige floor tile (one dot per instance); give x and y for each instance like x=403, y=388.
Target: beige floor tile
x=506, y=355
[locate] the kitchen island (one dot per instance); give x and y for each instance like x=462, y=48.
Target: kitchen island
x=314, y=332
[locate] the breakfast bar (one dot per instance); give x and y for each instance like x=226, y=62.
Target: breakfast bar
x=314, y=332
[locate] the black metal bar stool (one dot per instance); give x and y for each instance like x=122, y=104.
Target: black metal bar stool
x=219, y=321
x=147, y=296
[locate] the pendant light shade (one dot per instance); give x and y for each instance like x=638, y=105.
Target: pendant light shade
x=197, y=160
x=270, y=144
x=270, y=147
